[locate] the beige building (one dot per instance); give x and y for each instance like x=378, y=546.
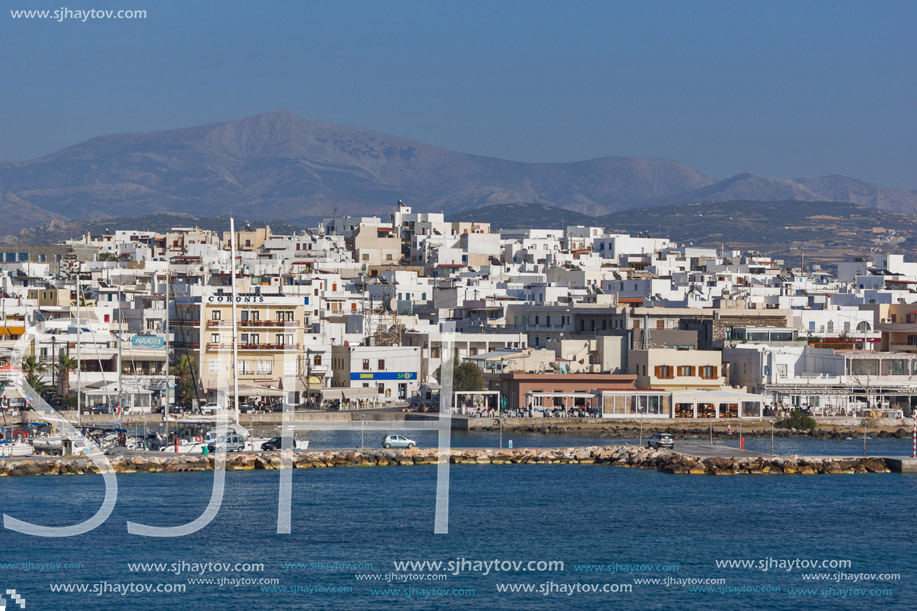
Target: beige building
x=668, y=369
x=269, y=341
x=376, y=245
x=51, y=297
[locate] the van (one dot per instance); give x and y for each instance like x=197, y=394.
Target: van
x=227, y=443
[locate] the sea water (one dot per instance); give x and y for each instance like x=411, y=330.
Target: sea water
x=519, y=537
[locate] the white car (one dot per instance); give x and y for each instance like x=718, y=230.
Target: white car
x=397, y=441
x=211, y=408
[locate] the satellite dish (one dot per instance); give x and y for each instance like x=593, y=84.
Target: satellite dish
x=393, y=304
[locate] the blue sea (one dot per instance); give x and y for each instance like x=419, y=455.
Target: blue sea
x=519, y=537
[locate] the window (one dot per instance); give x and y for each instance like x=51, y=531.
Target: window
x=864, y=367
x=284, y=339
x=254, y=338
x=285, y=315
x=708, y=372
x=685, y=371
x=244, y=367
x=244, y=338
x=660, y=324
x=216, y=315
x=215, y=365
x=363, y=257
x=365, y=364
x=895, y=367
x=290, y=367
x=214, y=338
x=265, y=367
x=664, y=372
x=317, y=360
x=381, y=364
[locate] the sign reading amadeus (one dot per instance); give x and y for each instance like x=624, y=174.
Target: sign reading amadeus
x=385, y=375
x=148, y=341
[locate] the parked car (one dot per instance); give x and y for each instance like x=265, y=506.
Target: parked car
x=246, y=408
x=211, y=408
x=101, y=408
x=276, y=443
x=227, y=443
x=661, y=440
x=398, y=441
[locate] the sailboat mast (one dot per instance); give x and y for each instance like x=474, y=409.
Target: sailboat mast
x=235, y=323
x=168, y=399
x=79, y=363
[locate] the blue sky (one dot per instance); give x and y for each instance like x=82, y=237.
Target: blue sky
x=785, y=89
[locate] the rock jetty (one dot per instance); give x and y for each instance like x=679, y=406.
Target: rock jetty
x=616, y=456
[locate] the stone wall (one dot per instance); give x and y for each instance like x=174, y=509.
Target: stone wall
x=618, y=456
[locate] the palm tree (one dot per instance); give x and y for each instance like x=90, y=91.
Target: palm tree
x=63, y=367
x=33, y=369
x=185, y=368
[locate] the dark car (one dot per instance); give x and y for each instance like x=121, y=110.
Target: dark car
x=101, y=408
x=661, y=440
x=276, y=443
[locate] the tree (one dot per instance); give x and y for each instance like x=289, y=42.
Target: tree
x=108, y=256
x=184, y=368
x=800, y=421
x=465, y=377
x=33, y=369
x=63, y=367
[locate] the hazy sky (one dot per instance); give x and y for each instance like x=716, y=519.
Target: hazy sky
x=781, y=89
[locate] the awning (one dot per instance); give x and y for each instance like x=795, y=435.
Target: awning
x=11, y=392
x=349, y=394
x=9, y=331
x=360, y=393
x=257, y=391
x=332, y=394
x=299, y=385
x=714, y=396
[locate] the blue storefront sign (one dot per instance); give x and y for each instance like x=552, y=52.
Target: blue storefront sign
x=384, y=375
x=148, y=341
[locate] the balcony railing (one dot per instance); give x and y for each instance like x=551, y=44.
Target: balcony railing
x=255, y=323
x=223, y=346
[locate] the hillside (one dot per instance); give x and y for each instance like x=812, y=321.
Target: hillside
x=279, y=165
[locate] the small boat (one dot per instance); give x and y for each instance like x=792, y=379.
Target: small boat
x=15, y=448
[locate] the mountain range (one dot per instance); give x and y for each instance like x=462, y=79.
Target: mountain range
x=281, y=166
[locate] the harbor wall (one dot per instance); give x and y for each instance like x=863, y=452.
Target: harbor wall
x=617, y=456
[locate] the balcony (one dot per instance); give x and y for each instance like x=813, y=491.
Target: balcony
x=260, y=324
x=251, y=347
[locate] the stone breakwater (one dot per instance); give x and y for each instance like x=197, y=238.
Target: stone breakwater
x=616, y=456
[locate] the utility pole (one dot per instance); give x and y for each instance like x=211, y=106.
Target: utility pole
x=120, y=356
x=79, y=363
x=165, y=407
x=235, y=323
